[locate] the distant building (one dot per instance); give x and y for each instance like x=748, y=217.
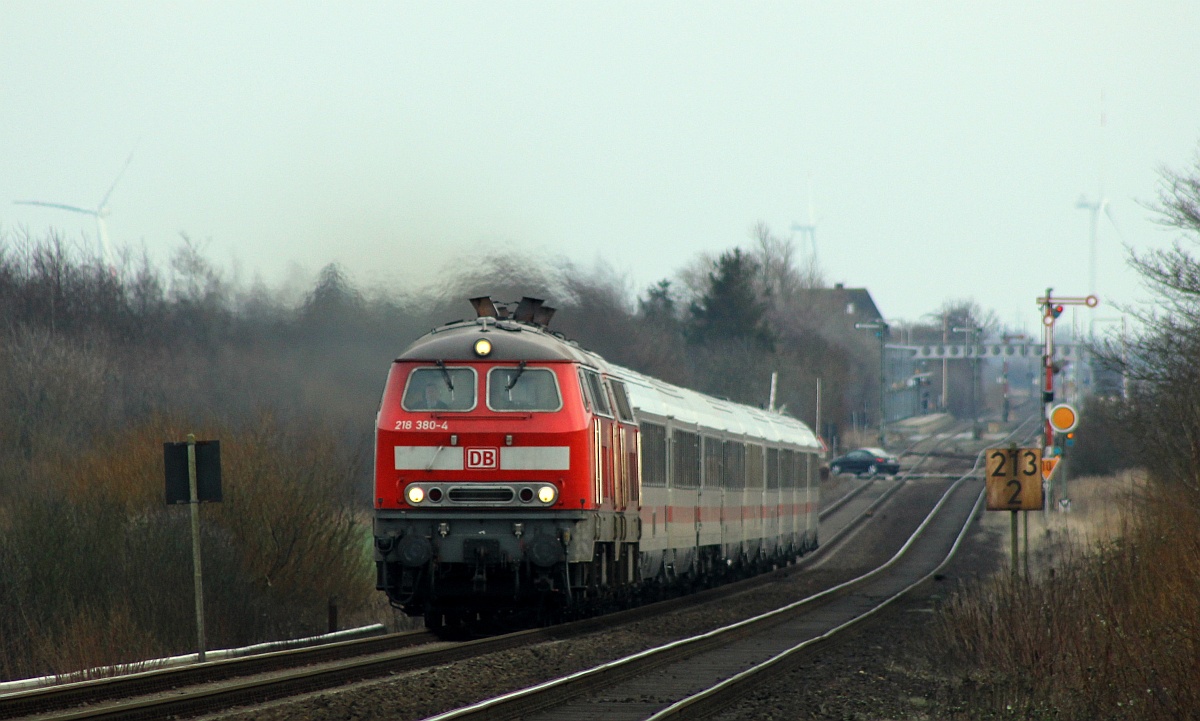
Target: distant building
x=841, y=308
x=855, y=303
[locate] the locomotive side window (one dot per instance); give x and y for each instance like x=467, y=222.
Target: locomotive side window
x=439, y=389
x=654, y=455
x=754, y=466
x=523, y=389
x=624, y=409
x=595, y=390
x=686, y=457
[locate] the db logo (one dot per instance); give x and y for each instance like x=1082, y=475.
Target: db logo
x=483, y=458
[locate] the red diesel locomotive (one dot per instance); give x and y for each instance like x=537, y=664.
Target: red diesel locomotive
x=517, y=473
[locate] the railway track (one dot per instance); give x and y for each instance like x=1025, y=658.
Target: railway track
x=217, y=686
x=698, y=676
x=214, y=686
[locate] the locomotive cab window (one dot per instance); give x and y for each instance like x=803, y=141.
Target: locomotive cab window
x=522, y=388
x=439, y=389
x=594, y=387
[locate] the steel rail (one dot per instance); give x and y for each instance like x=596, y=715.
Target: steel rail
x=61, y=696
x=396, y=649
x=723, y=694
x=557, y=691
x=133, y=688
x=720, y=696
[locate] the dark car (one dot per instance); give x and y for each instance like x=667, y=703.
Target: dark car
x=866, y=461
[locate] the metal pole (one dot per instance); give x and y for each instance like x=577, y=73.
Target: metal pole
x=974, y=381
x=882, y=382
x=945, y=363
x=1014, y=544
x=1048, y=391
x=879, y=327
x=1004, y=372
x=818, y=418
x=197, y=576
x=1026, y=515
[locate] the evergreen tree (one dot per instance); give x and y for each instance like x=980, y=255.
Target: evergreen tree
x=730, y=308
x=658, y=306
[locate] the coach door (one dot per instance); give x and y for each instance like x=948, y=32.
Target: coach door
x=709, y=503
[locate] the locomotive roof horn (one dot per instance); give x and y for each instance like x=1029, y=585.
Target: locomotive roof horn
x=542, y=315
x=484, y=307
x=529, y=310
x=526, y=309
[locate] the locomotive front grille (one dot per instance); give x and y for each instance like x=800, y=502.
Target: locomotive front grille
x=481, y=494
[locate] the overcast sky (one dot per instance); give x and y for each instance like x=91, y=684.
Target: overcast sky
x=947, y=143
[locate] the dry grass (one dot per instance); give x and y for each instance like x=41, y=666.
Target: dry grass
x=97, y=569
x=1106, y=626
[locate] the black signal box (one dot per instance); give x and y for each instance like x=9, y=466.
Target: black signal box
x=208, y=471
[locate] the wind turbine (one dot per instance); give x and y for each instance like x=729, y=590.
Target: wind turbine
x=100, y=212
x=808, y=231
x=1098, y=206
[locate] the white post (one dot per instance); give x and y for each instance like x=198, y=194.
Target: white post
x=197, y=577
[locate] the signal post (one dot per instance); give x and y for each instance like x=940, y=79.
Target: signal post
x=1052, y=308
x=1017, y=477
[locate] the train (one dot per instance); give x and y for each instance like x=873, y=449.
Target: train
x=520, y=478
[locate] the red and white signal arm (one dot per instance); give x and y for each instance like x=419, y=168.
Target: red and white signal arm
x=1063, y=418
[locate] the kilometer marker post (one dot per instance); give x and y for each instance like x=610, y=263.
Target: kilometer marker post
x=197, y=575
x=193, y=476
x=1014, y=483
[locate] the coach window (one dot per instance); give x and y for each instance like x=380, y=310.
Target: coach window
x=685, y=468
x=654, y=455
x=712, y=462
x=787, y=460
x=624, y=410
x=772, y=468
x=734, y=465
x=754, y=466
x=523, y=389
x=439, y=389
x=595, y=389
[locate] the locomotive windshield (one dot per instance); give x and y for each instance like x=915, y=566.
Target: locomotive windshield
x=440, y=389
x=523, y=389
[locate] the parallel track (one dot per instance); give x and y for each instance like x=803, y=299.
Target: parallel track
x=694, y=676
x=214, y=686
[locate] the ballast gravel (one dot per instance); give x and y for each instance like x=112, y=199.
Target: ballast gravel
x=878, y=672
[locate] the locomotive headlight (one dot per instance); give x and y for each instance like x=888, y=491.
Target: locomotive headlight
x=483, y=347
x=547, y=494
x=415, y=495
